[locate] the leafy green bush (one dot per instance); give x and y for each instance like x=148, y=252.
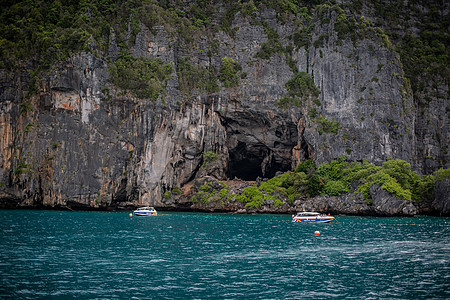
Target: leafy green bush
x=252, y=197
x=209, y=156
x=335, y=188
x=145, y=78
x=211, y=191
x=176, y=190
x=267, y=187
x=296, y=180
x=301, y=87
x=228, y=17
x=423, y=189
x=191, y=77
x=315, y=185
x=343, y=26
x=272, y=46
x=306, y=167
x=327, y=126
x=290, y=185
x=323, y=38
x=224, y=185
x=287, y=101
x=206, y=187
x=276, y=202
x=275, y=181
x=356, y=171
x=387, y=183
x=228, y=73
x=394, y=176
x=333, y=170
x=442, y=174
x=223, y=193
x=401, y=171
x=201, y=197
x=302, y=37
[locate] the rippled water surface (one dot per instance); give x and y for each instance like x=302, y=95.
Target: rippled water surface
x=52, y=254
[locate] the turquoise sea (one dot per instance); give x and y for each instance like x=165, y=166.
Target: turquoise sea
x=105, y=255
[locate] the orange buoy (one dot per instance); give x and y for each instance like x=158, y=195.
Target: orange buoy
x=131, y=214
x=317, y=232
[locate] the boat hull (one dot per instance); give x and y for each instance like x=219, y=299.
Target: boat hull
x=143, y=214
x=313, y=220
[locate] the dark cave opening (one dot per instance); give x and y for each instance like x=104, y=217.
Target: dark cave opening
x=248, y=162
x=274, y=167
x=244, y=164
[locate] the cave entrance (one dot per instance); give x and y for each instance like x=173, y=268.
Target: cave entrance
x=245, y=163
x=248, y=162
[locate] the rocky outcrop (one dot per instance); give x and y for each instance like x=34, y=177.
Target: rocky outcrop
x=441, y=203
x=208, y=194
x=80, y=141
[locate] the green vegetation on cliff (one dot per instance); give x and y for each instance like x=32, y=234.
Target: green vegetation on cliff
x=143, y=77
x=420, y=34
x=195, y=77
x=301, y=88
x=50, y=31
x=229, y=72
x=327, y=125
x=46, y=32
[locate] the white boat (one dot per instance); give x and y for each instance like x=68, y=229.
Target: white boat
x=311, y=217
x=145, y=211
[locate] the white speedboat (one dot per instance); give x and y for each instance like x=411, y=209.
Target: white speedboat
x=145, y=211
x=311, y=217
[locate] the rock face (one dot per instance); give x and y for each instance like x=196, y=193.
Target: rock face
x=82, y=142
x=361, y=89
x=441, y=201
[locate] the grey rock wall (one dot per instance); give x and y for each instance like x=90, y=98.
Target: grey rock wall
x=75, y=146
x=361, y=88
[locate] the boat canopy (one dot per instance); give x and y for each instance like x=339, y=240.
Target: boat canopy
x=308, y=213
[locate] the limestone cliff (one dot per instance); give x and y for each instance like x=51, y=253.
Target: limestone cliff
x=74, y=137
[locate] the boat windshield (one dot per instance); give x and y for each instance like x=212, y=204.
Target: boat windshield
x=307, y=214
x=145, y=208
